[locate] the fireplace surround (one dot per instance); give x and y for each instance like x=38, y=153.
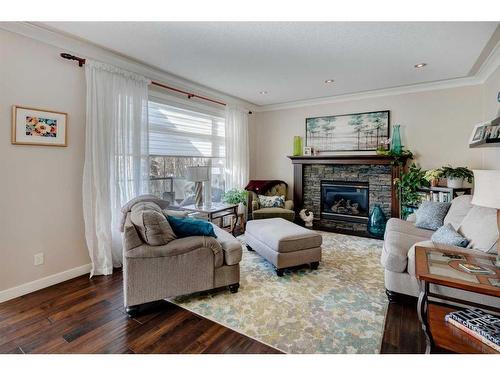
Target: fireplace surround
x=363, y=180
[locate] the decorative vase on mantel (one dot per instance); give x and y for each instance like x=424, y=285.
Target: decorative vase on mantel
x=297, y=145
x=377, y=222
x=396, y=146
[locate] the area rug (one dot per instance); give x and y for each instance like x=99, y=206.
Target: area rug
x=339, y=308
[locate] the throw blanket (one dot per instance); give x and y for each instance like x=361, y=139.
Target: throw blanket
x=263, y=186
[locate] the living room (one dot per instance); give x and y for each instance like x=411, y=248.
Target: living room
x=250, y=187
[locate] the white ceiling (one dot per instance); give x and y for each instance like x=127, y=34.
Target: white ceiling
x=292, y=60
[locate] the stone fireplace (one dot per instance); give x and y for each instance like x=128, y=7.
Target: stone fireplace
x=341, y=191
x=343, y=200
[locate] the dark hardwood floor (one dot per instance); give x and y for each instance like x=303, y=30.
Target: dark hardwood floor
x=85, y=315
x=402, y=332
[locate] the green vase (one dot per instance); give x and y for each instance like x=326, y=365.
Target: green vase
x=376, y=222
x=297, y=145
x=396, y=147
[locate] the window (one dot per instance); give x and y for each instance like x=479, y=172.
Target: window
x=181, y=137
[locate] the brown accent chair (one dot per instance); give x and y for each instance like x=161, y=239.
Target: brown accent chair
x=257, y=212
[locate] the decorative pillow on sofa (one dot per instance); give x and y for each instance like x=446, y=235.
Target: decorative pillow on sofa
x=480, y=227
x=430, y=215
x=277, y=201
x=447, y=235
x=186, y=227
x=151, y=224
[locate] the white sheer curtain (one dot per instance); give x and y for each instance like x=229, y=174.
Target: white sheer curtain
x=237, y=158
x=116, y=157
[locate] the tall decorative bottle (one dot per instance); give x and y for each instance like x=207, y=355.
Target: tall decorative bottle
x=396, y=140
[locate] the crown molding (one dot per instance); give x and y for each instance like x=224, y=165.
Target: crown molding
x=86, y=49
x=410, y=89
x=490, y=65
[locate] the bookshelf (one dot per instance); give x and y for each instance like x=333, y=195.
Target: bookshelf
x=436, y=194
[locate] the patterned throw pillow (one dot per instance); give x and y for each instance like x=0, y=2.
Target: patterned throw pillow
x=447, y=235
x=277, y=201
x=430, y=215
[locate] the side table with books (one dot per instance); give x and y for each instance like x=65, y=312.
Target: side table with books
x=447, y=327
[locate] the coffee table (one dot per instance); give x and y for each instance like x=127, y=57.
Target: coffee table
x=215, y=211
x=431, y=267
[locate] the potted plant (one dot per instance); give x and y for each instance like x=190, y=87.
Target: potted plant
x=433, y=176
x=407, y=188
x=236, y=196
x=455, y=176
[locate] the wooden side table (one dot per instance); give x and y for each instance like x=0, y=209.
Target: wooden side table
x=431, y=267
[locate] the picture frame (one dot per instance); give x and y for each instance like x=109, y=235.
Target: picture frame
x=478, y=133
x=355, y=132
x=39, y=127
x=307, y=151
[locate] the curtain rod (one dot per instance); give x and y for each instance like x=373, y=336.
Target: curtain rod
x=81, y=62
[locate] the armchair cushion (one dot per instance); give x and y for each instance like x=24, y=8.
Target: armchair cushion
x=289, y=205
x=187, y=227
x=178, y=247
x=151, y=224
x=266, y=213
x=266, y=201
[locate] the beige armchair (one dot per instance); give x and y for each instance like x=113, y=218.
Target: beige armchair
x=182, y=266
x=258, y=212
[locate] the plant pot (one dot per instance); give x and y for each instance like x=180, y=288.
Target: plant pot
x=435, y=182
x=455, y=183
x=241, y=208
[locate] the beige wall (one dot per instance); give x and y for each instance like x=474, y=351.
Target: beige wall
x=40, y=188
x=436, y=126
x=491, y=110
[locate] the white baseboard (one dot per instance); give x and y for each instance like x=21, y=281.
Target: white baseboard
x=44, y=282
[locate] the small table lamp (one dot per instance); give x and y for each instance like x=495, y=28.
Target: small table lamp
x=198, y=174
x=487, y=194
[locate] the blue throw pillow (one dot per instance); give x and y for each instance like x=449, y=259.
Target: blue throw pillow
x=447, y=235
x=430, y=215
x=187, y=227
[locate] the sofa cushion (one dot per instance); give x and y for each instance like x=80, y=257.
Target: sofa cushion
x=430, y=215
x=231, y=246
x=480, y=228
x=447, y=235
x=460, y=207
x=400, y=235
x=151, y=224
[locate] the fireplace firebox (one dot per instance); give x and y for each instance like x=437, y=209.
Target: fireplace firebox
x=347, y=201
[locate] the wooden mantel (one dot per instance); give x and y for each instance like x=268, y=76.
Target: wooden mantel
x=298, y=175
x=342, y=159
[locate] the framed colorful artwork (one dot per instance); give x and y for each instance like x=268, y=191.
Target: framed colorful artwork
x=34, y=126
x=353, y=132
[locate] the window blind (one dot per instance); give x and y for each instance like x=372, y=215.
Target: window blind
x=175, y=131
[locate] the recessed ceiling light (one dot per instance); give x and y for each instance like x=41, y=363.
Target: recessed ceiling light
x=263, y=92
x=329, y=81
x=421, y=65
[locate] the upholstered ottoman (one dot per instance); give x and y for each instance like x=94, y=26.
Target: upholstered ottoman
x=283, y=243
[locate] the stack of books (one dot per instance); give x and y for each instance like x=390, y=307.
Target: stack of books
x=477, y=323
x=435, y=196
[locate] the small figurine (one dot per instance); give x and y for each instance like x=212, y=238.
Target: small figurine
x=307, y=216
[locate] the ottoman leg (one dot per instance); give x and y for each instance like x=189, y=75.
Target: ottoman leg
x=249, y=248
x=233, y=288
x=279, y=272
x=314, y=265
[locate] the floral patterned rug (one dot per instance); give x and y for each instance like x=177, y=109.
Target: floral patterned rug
x=339, y=308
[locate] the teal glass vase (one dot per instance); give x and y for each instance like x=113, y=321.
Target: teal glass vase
x=396, y=146
x=376, y=222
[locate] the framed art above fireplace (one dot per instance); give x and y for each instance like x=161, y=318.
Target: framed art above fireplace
x=353, y=132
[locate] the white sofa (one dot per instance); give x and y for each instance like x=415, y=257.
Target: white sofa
x=478, y=224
